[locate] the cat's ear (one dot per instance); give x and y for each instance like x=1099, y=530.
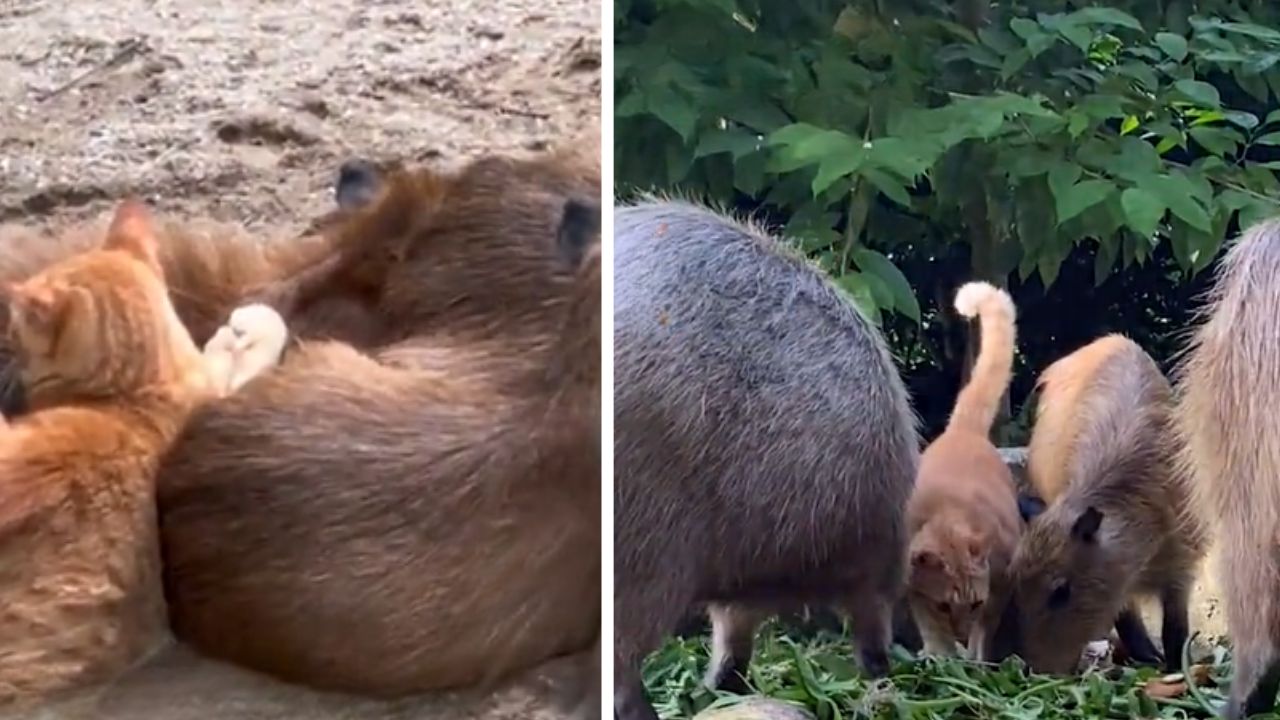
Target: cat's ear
x=1085, y=528
x=925, y=558
x=38, y=307
x=133, y=231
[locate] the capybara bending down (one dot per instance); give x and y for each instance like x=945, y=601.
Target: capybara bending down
x=1229, y=419
x=1116, y=525
x=963, y=513
x=426, y=514
x=764, y=445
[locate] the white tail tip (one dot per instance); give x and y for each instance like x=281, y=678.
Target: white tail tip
x=972, y=296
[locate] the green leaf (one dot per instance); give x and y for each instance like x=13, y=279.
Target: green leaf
x=860, y=292
x=1104, y=16
x=904, y=299
x=1201, y=93
x=1175, y=46
x=1248, y=121
x=1257, y=211
x=1142, y=211
x=1062, y=176
x=1179, y=194
x=1108, y=249
x=1219, y=141
x=734, y=141
x=845, y=160
x=1073, y=200
x=1272, y=138
x=886, y=184
x=1081, y=37
x=1129, y=125
x=1273, y=116
x=673, y=109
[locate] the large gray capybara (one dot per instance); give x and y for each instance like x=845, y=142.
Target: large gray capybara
x=764, y=444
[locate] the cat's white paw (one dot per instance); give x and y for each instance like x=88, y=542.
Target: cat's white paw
x=252, y=341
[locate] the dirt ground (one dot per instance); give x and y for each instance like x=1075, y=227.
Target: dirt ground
x=243, y=109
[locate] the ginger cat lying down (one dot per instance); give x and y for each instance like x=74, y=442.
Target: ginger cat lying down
x=111, y=375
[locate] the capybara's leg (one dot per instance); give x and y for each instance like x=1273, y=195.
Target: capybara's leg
x=733, y=631
x=871, y=618
x=1174, y=626
x=630, y=702
x=1256, y=679
x=1133, y=633
x=643, y=615
x=905, y=630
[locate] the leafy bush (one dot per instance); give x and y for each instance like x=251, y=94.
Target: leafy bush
x=1060, y=148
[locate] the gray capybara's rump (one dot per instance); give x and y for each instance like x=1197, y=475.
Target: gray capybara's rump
x=764, y=444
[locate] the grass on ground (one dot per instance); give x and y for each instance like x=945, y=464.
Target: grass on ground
x=820, y=674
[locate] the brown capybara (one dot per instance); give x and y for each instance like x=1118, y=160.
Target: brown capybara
x=1228, y=419
x=1116, y=525
x=425, y=515
x=764, y=444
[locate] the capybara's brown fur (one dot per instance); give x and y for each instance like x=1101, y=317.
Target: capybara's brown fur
x=1229, y=418
x=1116, y=525
x=425, y=515
x=963, y=512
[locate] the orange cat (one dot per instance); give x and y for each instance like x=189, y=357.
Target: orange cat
x=111, y=374
x=963, y=513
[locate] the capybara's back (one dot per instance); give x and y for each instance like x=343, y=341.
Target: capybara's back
x=764, y=445
x=1229, y=417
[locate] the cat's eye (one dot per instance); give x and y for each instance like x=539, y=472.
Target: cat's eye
x=944, y=607
x=1059, y=596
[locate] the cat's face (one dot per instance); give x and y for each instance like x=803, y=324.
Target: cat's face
x=950, y=577
x=99, y=323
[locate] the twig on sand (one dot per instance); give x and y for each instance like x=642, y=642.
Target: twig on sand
x=126, y=53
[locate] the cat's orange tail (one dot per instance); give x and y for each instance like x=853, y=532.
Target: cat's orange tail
x=977, y=403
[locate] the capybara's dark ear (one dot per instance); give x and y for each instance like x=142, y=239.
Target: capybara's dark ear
x=357, y=185
x=579, y=227
x=1086, y=526
x=1029, y=506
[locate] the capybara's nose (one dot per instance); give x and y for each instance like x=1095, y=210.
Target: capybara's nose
x=358, y=181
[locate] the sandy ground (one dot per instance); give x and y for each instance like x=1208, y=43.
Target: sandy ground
x=243, y=109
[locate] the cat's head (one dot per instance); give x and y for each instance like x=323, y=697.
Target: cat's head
x=1064, y=585
x=950, y=574
x=99, y=323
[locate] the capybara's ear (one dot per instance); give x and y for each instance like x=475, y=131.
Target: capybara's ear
x=133, y=231
x=1029, y=506
x=357, y=185
x=579, y=227
x=1086, y=526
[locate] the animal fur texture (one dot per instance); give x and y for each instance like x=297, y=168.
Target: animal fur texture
x=111, y=374
x=420, y=510
x=764, y=444
x=208, y=268
x=1117, y=524
x=963, y=514
x=1228, y=384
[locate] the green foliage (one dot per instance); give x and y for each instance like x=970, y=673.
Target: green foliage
x=820, y=675
x=867, y=126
